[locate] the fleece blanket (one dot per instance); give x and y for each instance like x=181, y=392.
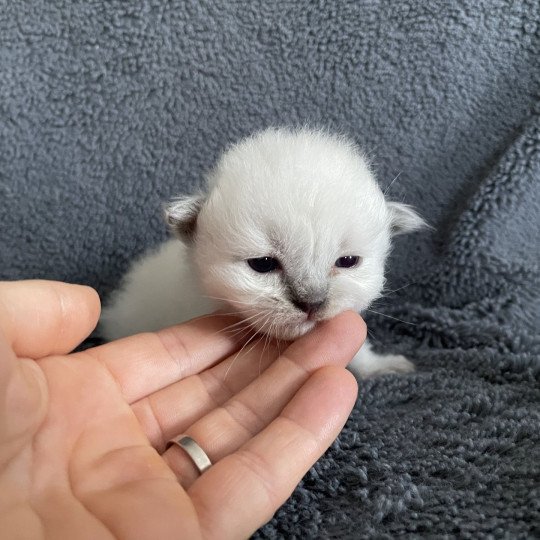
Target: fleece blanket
x=109, y=108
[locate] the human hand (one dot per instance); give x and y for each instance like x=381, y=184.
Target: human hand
x=83, y=435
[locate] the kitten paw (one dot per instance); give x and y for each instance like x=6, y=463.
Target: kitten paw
x=367, y=363
x=392, y=363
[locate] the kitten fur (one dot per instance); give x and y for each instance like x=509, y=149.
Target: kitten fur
x=303, y=197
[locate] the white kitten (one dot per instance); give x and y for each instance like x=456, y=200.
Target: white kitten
x=291, y=229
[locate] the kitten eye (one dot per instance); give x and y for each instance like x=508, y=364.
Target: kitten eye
x=263, y=265
x=349, y=261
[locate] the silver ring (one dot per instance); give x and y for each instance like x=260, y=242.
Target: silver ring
x=193, y=450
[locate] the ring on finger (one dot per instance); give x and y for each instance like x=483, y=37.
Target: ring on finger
x=197, y=455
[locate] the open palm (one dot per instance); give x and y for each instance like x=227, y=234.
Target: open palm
x=83, y=435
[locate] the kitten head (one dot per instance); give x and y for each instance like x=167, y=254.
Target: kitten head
x=292, y=229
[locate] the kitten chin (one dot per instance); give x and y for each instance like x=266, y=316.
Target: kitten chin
x=291, y=228
x=288, y=332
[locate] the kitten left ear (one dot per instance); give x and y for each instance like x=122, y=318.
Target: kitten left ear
x=404, y=219
x=181, y=215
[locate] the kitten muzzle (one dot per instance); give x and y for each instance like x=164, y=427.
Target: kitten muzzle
x=309, y=307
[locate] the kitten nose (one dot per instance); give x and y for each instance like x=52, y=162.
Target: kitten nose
x=307, y=307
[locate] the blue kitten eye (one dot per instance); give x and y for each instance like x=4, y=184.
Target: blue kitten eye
x=349, y=261
x=263, y=265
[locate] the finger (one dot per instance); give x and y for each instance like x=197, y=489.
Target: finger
x=258, y=478
x=40, y=318
x=146, y=363
x=170, y=411
x=225, y=428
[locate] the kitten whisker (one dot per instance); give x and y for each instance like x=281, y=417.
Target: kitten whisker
x=266, y=343
x=231, y=326
x=241, y=333
x=372, y=336
x=390, y=317
x=237, y=328
x=391, y=183
x=278, y=343
x=388, y=291
x=251, y=304
x=236, y=356
x=221, y=313
x=254, y=345
x=266, y=317
x=240, y=323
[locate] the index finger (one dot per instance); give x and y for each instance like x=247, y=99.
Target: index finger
x=145, y=363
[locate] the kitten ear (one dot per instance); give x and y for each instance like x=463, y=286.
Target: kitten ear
x=404, y=219
x=181, y=215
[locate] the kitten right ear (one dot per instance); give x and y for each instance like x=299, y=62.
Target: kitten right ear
x=181, y=215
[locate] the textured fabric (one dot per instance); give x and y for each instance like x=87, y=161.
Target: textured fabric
x=109, y=108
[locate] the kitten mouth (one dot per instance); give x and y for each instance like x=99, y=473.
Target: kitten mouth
x=286, y=326
x=292, y=331
x=286, y=330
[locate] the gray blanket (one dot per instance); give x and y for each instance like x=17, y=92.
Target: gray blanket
x=109, y=108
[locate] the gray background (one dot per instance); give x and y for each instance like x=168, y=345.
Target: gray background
x=109, y=108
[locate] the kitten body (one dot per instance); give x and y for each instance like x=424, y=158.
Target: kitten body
x=291, y=229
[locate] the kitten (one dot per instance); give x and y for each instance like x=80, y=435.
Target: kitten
x=291, y=229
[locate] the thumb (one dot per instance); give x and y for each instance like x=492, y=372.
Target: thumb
x=40, y=318
x=23, y=401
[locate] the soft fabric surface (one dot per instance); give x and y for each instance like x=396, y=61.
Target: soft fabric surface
x=109, y=108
